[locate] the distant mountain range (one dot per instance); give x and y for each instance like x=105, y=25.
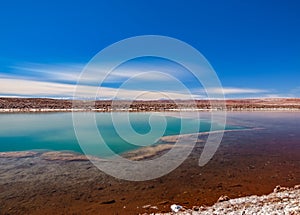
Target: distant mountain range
x=45, y=104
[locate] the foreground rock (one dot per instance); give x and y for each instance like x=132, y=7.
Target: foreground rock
x=281, y=201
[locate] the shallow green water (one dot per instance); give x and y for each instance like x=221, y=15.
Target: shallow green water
x=54, y=131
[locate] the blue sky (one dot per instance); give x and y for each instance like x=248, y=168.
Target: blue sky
x=254, y=46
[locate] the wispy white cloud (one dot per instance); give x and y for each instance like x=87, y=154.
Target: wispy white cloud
x=235, y=90
x=139, y=78
x=35, y=88
x=276, y=95
x=49, y=89
x=71, y=73
x=59, y=72
x=59, y=81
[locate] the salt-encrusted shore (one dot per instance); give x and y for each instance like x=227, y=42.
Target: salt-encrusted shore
x=282, y=200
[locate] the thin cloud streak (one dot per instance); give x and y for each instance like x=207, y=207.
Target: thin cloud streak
x=233, y=90
x=71, y=73
x=60, y=80
x=49, y=89
x=64, y=72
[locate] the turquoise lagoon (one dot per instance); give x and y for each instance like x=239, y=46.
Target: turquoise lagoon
x=55, y=131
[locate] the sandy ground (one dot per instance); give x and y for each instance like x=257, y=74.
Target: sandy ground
x=250, y=162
